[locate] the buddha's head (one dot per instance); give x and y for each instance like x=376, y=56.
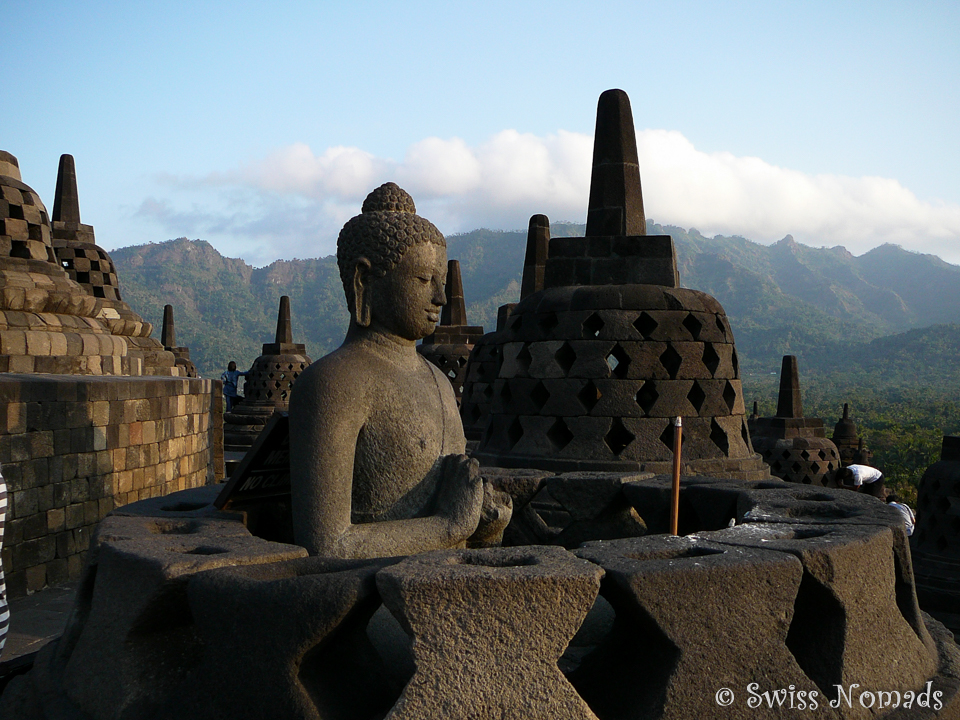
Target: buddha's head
x=393, y=264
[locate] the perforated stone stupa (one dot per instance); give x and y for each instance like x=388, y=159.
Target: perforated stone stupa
x=450, y=344
x=796, y=447
x=266, y=389
x=936, y=541
x=59, y=314
x=598, y=363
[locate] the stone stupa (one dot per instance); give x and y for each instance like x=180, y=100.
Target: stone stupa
x=449, y=346
x=266, y=388
x=60, y=305
x=598, y=364
x=796, y=447
x=168, y=337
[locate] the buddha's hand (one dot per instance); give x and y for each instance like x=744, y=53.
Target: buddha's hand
x=460, y=499
x=494, y=517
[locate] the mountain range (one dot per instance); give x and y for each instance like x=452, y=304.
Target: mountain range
x=889, y=313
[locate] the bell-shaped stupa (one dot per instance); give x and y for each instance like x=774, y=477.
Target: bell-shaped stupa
x=597, y=364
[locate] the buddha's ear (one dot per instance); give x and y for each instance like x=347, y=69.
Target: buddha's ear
x=362, y=300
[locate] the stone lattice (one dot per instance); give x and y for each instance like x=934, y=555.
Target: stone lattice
x=449, y=346
x=266, y=389
x=936, y=541
x=597, y=364
x=795, y=447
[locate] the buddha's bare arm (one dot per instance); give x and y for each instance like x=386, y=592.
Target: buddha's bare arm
x=325, y=421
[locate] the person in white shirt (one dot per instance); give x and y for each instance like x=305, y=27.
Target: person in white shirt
x=909, y=519
x=862, y=478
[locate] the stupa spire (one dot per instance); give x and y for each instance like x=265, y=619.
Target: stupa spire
x=66, y=201
x=168, y=333
x=616, y=200
x=455, y=311
x=789, y=404
x=284, y=326
x=538, y=243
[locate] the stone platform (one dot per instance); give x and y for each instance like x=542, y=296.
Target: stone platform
x=183, y=613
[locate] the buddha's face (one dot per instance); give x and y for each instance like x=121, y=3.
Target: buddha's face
x=406, y=301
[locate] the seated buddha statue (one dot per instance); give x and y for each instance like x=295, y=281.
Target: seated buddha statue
x=377, y=447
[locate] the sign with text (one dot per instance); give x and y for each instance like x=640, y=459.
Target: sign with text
x=264, y=472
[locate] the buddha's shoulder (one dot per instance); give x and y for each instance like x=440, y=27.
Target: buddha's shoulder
x=348, y=367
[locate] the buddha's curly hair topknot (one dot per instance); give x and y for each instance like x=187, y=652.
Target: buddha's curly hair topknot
x=386, y=228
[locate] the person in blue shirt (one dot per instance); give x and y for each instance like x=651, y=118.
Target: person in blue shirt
x=230, y=378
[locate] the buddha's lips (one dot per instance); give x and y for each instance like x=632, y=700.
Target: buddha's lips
x=434, y=316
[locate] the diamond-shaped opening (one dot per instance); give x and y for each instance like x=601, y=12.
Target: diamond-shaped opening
x=647, y=397
x=721, y=327
x=645, y=325
x=745, y=433
x=461, y=361
x=815, y=468
x=524, y=359
x=515, y=432
x=696, y=396
x=666, y=437
x=516, y=322
x=540, y=395
x=565, y=357
x=548, y=321
x=804, y=454
x=943, y=504
x=474, y=413
x=618, y=361
x=505, y=393
x=618, y=437
x=785, y=454
x=693, y=325
x=736, y=364
x=710, y=359
x=589, y=395
x=719, y=437
x=592, y=326
x=559, y=435
x=822, y=454
x=729, y=396
x=488, y=391
x=671, y=361
x=796, y=467
x=831, y=466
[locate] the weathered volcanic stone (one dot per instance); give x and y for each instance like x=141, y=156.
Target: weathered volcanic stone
x=305, y=622
x=137, y=620
x=677, y=638
x=846, y=612
x=936, y=541
x=488, y=628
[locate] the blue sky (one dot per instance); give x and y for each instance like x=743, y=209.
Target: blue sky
x=261, y=127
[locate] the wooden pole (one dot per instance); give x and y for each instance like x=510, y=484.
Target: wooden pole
x=675, y=501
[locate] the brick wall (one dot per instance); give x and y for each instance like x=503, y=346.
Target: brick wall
x=73, y=448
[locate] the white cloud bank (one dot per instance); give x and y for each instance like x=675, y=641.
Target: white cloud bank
x=293, y=202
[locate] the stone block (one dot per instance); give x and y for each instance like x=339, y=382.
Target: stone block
x=473, y=657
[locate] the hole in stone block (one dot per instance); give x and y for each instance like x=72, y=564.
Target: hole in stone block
x=494, y=560
x=201, y=550
x=671, y=361
x=693, y=326
x=618, y=437
x=540, y=395
x=548, y=321
x=515, y=432
x=559, y=435
x=729, y=396
x=721, y=326
x=589, y=395
x=618, y=361
x=666, y=437
x=16, y=212
x=183, y=507
x=645, y=325
x=565, y=357
x=718, y=437
x=592, y=326
x=736, y=365
x=816, y=634
x=647, y=396
x=505, y=393
x=524, y=359
x=696, y=396
x=173, y=527
x=745, y=433
x=710, y=359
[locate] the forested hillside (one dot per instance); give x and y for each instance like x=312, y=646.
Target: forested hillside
x=881, y=331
